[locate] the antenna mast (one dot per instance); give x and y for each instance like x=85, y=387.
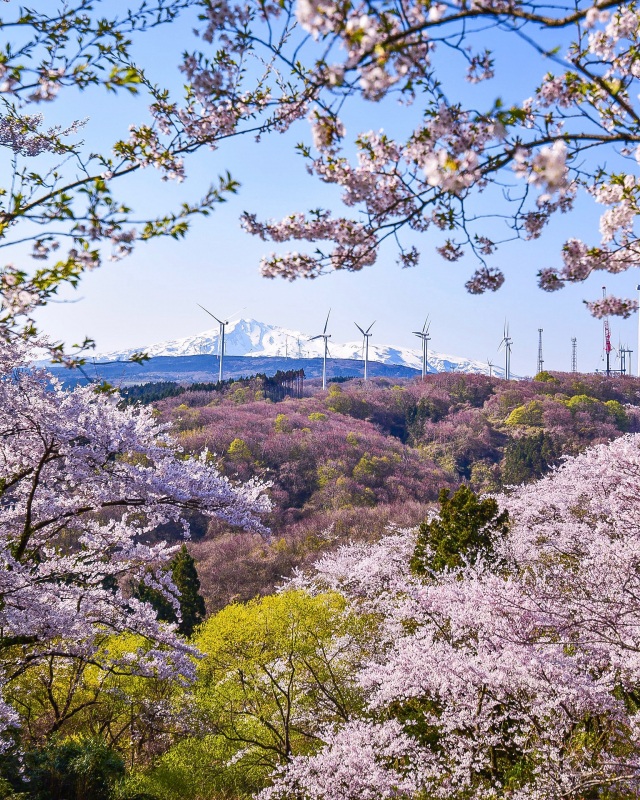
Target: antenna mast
x=540, y=358
x=628, y=351
x=574, y=354
x=607, y=338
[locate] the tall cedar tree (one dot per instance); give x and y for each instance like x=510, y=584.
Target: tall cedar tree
x=192, y=607
x=463, y=530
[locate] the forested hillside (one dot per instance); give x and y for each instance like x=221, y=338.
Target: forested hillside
x=346, y=463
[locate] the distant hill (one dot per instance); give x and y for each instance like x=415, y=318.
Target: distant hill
x=258, y=340
x=197, y=369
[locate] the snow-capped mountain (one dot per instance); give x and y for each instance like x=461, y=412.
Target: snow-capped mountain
x=248, y=337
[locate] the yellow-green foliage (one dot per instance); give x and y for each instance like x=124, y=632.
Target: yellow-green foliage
x=344, y=403
x=484, y=477
x=188, y=419
x=274, y=672
x=349, y=495
x=618, y=413
x=282, y=424
x=528, y=414
x=581, y=402
x=352, y=439
x=328, y=473
x=195, y=769
x=545, y=377
x=317, y=416
x=73, y=697
x=338, y=401
x=371, y=469
x=242, y=395
x=239, y=450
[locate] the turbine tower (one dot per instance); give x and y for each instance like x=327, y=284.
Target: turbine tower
x=326, y=336
x=365, y=346
x=491, y=365
x=540, y=358
x=574, y=354
x=223, y=326
x=424, y=336
x=506, y=343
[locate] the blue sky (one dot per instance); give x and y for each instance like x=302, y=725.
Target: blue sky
x=153, y=294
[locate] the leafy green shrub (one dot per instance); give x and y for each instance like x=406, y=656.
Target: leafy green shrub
x=545, y=377
x=528, y=414
x=82, y=768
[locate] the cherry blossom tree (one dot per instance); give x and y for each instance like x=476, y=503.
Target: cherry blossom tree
x=575, y=131
x=58, y=191
x=258, y=67
x=82, y=484
x=516, y=674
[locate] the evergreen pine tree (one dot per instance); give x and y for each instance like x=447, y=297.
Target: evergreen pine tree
x=185, y=577
x=463, y=530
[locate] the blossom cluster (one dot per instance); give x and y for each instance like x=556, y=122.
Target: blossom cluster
x=495, y=675
x=83, y=483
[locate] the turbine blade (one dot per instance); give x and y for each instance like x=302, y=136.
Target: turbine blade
x=371, y=326
x=424, y=327
x=313, y=338
x=359, y=328
x=326, y=323
x=211, y=315
x=231, y=316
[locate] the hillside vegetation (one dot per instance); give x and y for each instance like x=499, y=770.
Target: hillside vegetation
x=346, y=463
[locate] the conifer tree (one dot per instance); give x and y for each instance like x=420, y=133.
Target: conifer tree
x=191, y=603
x=462, y=531
x=185, y=577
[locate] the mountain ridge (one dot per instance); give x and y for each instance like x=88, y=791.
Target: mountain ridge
x=253, y=339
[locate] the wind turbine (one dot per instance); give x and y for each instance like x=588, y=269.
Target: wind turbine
x=506, y=343
x=326, y=336
x=365, y=343
x=491, y=365
x=223, y=326
x=424, y=336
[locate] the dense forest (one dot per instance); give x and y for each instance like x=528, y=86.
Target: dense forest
x=346, y=463
x=384, y=498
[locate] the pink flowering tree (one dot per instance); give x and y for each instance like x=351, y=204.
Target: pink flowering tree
x=515, y=674
x=82, y=485
x=259, y=67
x=572, y=129
x=59, y=193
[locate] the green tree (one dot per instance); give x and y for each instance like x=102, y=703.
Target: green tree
x=275, y=672
x=527, y=458
x=464, y=529
x=185, y=577
x=73, y=769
